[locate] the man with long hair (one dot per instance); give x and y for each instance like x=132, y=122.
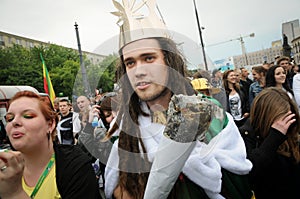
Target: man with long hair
x=161, y=150
x=151, y=71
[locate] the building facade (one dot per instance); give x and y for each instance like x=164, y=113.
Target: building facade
x=296, y=49
x=291, y=29
x=8, y=40
x=258, y=57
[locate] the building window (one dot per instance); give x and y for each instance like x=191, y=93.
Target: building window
x=29, y=44
x=2, y=43
x=18, y=41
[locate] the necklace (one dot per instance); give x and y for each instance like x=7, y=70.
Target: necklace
x=43, y=176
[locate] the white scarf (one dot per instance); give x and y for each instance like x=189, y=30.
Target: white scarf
x=203, y=166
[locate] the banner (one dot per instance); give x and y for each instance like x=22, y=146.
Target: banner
x=47, y=81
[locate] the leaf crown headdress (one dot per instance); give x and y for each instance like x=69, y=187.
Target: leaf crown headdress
x=134, y=25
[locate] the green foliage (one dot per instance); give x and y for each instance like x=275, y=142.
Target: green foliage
x=63, y=77
x=17, y=64
x=103, y=75
x=23, y=66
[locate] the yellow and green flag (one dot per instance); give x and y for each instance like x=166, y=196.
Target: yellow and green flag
x=47, y=81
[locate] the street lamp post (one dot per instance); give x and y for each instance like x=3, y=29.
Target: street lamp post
x=200, y=34
x=86, y=85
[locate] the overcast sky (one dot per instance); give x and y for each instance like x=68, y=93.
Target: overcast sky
x=53, y=21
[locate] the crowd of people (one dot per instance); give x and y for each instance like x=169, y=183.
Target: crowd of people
x=162, y=135
x=271, y=125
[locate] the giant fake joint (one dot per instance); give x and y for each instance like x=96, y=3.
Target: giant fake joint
x=188, y=118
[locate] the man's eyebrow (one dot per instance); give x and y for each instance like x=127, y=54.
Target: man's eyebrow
x=128, y=59
x=147, y=54
x=141, y=55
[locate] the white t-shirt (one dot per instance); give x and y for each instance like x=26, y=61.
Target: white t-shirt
x=235, y=106
x=296, y=88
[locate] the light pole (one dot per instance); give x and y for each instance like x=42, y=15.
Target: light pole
x=86, y=85
x=200, y=34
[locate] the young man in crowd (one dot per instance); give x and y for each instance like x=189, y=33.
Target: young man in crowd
x=245, y=81
x=84, y=106
x=68, y=126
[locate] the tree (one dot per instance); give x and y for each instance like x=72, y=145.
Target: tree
x=22, y=66
x=103, y=75
x=18, y=67
x=64, y=77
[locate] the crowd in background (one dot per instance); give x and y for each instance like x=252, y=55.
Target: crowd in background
x=271, y=134
x=266, y=110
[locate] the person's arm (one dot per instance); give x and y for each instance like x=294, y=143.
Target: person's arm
x=76, y=123
x=244, y=103
x=11, y=176
x=76, y=126
x=262, y=156
x=251, y=95
x=16, y=195
x=75, y=176
x=2, y=133
x=296, y=89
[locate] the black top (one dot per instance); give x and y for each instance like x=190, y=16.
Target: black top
x=65, y=127
x=2, y=133
x=75, y=176
x=273, y=175
x=245, y=86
